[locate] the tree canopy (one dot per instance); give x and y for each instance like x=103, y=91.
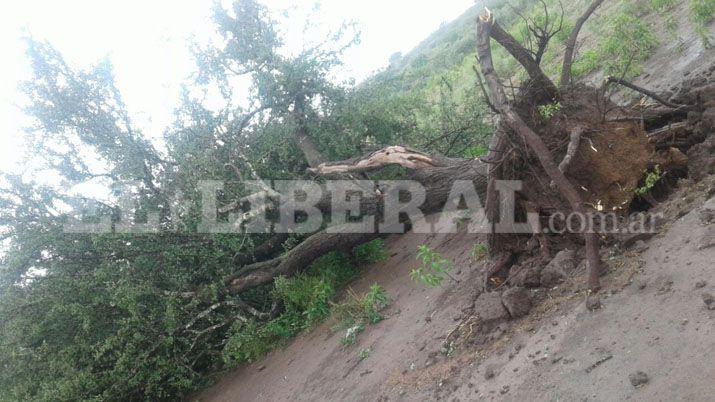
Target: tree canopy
x=126, y=316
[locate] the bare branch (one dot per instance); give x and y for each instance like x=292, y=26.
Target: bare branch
x=574, y=142
x=524, y=58
x=298, y=258
x=648, y=93
x=571, y=44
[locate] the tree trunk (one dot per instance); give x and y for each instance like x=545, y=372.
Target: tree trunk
x=437, y=174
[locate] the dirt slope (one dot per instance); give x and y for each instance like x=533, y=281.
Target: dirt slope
x=317, y=367
x=658, y=324
x=653, y=319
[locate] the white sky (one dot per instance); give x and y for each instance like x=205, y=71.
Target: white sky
x=148, y=44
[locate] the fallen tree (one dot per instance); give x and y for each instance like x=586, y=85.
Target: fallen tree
x=593, y=152
x=149, y=315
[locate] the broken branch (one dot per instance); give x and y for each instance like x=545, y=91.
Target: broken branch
x=647, y=93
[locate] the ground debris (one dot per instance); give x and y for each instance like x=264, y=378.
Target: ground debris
x=638, y=378
x=709, y=301
x=598, y=363
x=517, y=301
x=593, y=303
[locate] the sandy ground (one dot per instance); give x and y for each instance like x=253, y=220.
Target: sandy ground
x=655, y=322
x=653, y=319
x=317, y=367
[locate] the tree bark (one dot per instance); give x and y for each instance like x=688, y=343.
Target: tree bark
x=264, y=251
x=392, y=155
x=436, y=173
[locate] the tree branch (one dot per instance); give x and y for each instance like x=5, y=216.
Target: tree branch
x=648, y=93
x=574, y=142
x=392, y=155
x=480, y=82
x=524, y=58
x=297, y=259
x=571, y=44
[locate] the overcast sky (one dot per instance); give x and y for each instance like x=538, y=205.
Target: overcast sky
x=147, y=42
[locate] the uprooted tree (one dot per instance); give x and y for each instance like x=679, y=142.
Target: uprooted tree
x=127, y=316
x=588, y=156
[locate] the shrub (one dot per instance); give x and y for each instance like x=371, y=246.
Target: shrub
x=701, y=13
x=306, y=300
x=371, y=252
x=433, y=268
x=358, y=311
x=550, y=110
x=628, y=41
x=651, y=178
x=306, y=296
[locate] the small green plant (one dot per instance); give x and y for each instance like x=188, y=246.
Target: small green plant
x=661, y=5
x=351, y=334
x=550, y=110
x=651, y=178
x=356, y=312
x=433, y=268
x=478, y=252
x=448, y=349
x=374, y=301
x=306, y=296
x=475, y=152
x=371, y=252
x=364, y=354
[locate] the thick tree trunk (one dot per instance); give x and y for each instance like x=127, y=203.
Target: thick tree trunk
x=437, y=174
x=393, y=155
